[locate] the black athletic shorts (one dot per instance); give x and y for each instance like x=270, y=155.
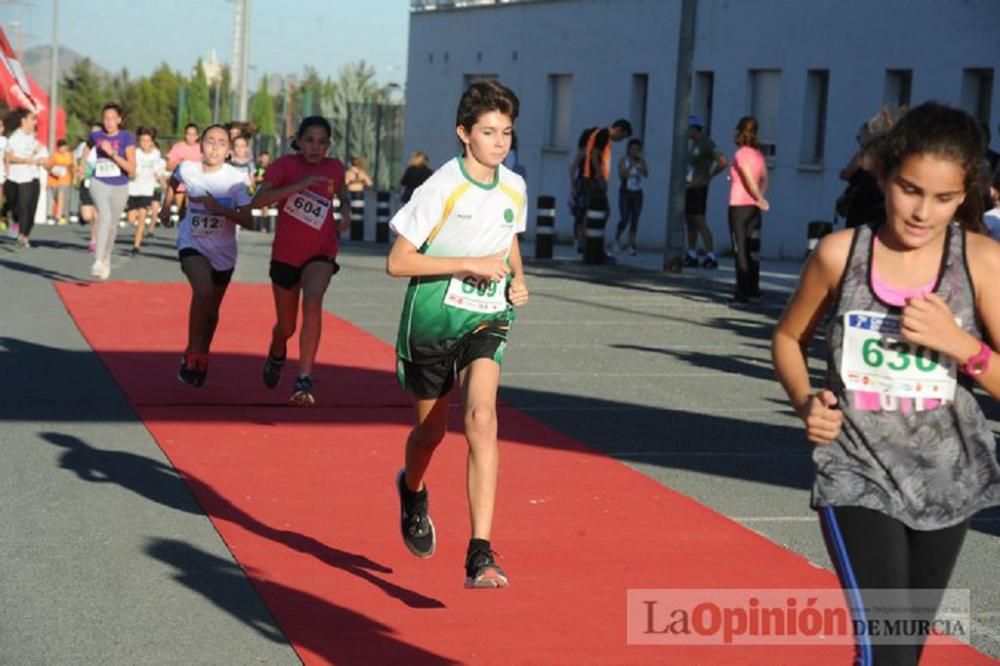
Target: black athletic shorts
x=428, y=376
x=219, y=278
x=696, y=200
x=9, y=194
x=287, y=276
x=135, y=203
x=85, y=198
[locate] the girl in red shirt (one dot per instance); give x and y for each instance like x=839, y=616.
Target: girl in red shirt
x=303, y=257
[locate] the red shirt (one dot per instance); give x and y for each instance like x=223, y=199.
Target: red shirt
x=306, y=227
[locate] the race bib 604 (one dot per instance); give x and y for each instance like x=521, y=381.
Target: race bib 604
x=308, y=208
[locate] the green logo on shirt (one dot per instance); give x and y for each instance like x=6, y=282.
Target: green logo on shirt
x=508, y=216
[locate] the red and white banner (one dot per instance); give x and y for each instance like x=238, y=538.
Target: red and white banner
x=20, y=91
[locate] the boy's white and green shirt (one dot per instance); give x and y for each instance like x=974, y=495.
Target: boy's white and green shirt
x=452, y=215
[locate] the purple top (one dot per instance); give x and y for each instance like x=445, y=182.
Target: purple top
x=107, y=171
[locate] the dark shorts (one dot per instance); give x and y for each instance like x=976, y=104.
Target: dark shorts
x=432, y=376
x=85, y=198
x=135, y=203
x=219, y=278
x=696, y=200
x=9, y=194
x=287, y=276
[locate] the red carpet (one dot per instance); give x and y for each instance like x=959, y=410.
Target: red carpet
x=304, y=499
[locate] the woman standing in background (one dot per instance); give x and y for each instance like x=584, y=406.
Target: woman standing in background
x=748, y=183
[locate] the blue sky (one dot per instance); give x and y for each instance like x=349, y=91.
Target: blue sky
x=285, y=35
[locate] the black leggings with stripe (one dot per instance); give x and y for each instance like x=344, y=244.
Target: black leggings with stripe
x=871, y=551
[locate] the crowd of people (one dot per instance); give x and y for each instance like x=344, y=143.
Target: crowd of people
x=60, y=188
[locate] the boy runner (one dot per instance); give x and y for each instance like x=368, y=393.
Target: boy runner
x=457, y=242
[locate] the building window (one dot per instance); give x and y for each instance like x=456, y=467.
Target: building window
x=701, y=98
x=977, y=90
x=814, y=120
x=765, y=88
x=898, y=83
x=637, y=108
x=560, y=101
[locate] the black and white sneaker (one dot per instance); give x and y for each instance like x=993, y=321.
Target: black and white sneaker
x=414, y=520
x=271, y=372
x=194, y=369
x=482, y=570
x=303, y=395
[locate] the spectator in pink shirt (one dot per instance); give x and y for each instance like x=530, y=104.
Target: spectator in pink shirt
x=748, y=182
x=188, y=150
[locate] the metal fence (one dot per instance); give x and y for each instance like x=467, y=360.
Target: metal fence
x=370, y=131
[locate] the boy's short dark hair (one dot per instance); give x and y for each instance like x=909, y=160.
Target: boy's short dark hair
x=623, y=125
x=633, y=142
x=482, y=97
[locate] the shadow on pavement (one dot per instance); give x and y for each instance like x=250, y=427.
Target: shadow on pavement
x=158, y=482
x=337, y=634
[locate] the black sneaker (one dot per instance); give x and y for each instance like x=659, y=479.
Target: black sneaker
x=271, y=373
x=303, y=393
x=482, y=571
x=689, y=261
x=194, y=369
x=414, y=520
x=710, y=263
x=135, y=250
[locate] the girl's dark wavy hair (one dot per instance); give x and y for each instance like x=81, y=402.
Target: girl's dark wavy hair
x=943, y=131
x=311, y=121
x=117, y=108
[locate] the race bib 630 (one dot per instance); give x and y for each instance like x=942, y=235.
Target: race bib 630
x=876, y=359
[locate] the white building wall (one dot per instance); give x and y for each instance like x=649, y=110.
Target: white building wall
x=603, y=43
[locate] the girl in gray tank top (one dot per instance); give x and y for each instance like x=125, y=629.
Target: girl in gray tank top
x=904, y=454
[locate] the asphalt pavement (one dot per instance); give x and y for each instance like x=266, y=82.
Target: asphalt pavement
x=106, y=558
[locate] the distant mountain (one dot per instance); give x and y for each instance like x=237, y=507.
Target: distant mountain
x=37, y=65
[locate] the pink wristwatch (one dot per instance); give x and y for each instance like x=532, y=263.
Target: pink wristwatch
x=978, y=362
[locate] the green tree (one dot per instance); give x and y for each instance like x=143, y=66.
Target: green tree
x=142, y=103
x=83, y=94
x=358, y=118
x=262, y=110
x=164, y=84
x=118, y=87
x=199, y=102
x=225, y=95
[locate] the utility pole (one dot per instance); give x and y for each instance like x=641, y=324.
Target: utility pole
x=54, y=78
x=239, y=63
x=288, y=108
x=678, y=154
